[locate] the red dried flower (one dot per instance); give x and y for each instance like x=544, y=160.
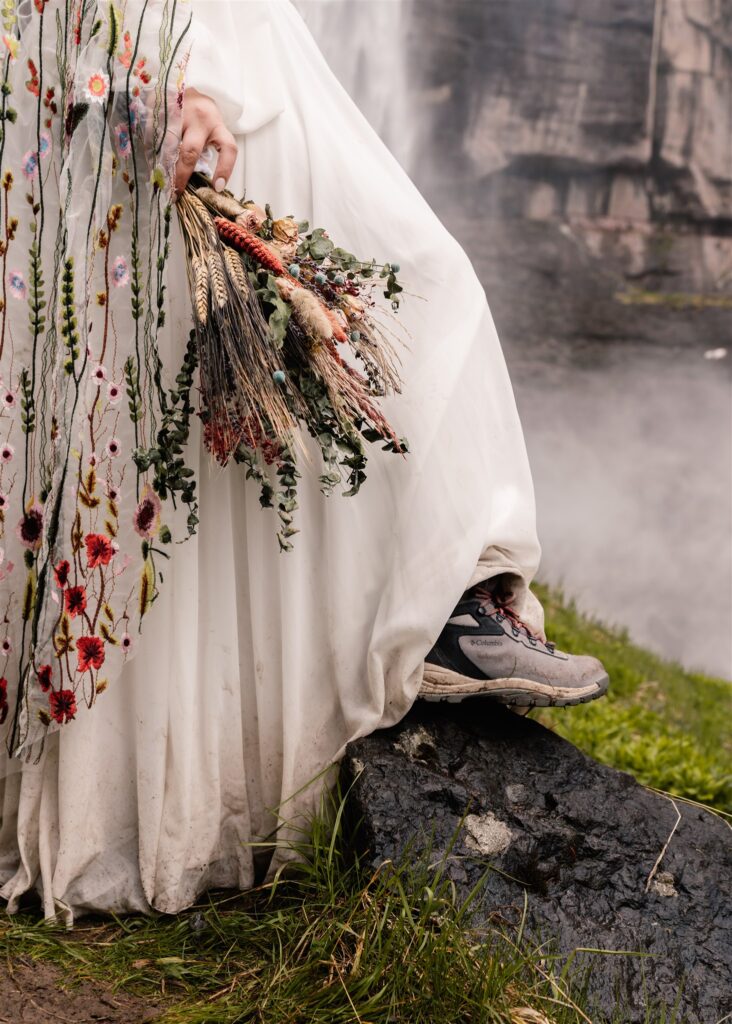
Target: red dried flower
x=61, y=572
x=63, y=705
x=91, y=653
x=99, y=550
x=75, y=601
x=44, y=677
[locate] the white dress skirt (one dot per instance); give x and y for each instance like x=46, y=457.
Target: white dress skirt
x=256, y=668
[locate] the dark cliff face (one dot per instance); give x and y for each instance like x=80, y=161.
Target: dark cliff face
x=622, y=106
x=610, y=117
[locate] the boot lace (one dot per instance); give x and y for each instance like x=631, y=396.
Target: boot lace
x=504, y=611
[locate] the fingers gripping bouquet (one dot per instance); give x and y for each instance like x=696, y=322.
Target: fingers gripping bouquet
x=289, y=337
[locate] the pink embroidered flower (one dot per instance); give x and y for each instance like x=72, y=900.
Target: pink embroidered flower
x=9, y=401
x=99, y=550
x=147, y=513
x=7, y=452
x=99, y=373
x=122, y=135
x=62, y=705
x=29, y=530
x=97, y=87
x=16, y=284
x=114, y=392
x=75, y=600
x=93, y=459
x=6, y=647
x=113, y=447
x=126, y=642
x=29, y=164
x=45, y=673
x=120, y=272
x=113, y=493
x=91, y=653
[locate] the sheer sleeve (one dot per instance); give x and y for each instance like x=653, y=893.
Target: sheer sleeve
x=214, y=63
x=232, y=60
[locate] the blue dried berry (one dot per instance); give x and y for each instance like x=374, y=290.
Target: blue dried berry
x=355, y=335
x=279, y=377
x=320, y=278
x=294, y=270
x=339, y=279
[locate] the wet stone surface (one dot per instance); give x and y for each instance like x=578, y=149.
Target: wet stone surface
x=579, y=840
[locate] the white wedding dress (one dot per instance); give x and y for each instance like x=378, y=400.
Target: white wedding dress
x=256, y=668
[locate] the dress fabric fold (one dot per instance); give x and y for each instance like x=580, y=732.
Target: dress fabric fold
x=253, y=668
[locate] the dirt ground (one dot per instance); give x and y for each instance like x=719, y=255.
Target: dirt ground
x=34, y=993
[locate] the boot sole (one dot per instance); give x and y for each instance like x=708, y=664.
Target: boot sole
x=442, y=684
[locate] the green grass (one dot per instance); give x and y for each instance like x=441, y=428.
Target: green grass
x=670, y=728
x=332, y=944
x=328, y=944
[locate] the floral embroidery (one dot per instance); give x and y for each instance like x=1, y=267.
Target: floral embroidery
x=63, y=706
x=91, y=653
x=124, y=143
x=147, y=513
x=12, y=45
x=75, y=601
x=99, y=550
x=30, y=164
x=93, y=426
x=45, y=673
x=30, y=528
x=44, y=148
x=120, y=272
x=97, y=87
x=16, y=283
x=61, y=572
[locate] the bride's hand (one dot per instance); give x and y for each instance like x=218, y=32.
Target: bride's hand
x=203, y=126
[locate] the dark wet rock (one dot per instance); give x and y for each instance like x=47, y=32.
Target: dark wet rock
x=579, y=841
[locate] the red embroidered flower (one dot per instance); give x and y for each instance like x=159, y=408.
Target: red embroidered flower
x=3, y=699
x=44, y=677
x=63, y=705
x=99, y=549
x=61, y=572
x=91, y=653
x=75, y=601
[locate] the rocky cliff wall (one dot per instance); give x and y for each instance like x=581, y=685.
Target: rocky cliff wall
x=614, y=115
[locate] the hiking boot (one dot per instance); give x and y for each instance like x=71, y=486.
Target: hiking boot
x=486, y=650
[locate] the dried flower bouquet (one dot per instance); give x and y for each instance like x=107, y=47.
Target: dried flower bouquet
x=288, y=337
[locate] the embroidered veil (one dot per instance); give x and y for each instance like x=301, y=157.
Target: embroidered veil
x=90, y=117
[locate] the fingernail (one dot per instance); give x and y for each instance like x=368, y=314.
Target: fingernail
x=220, y=184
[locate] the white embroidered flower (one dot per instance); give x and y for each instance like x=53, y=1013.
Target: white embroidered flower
x=97, y=87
